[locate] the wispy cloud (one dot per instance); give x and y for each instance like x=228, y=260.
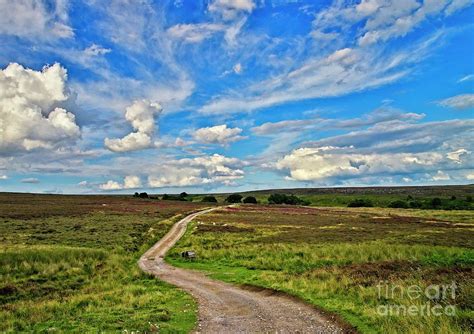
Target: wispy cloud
x=464, y=101
x=341, y=72
x=30, y=180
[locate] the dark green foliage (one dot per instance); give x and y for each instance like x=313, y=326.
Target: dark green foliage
x=469, y=198
x=398, y=204
x=136, y=194
x=250, y=200
x=359, y=202
x=167, y=197
x=416, y=204
x=435, y=202
x=286, y=199
x=234, y=198
x=209, y=199
x=183, y=194
x=143, y=195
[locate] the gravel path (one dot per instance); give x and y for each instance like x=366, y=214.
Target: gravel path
x=225, y=308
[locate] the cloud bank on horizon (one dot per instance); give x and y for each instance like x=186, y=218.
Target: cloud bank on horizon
x=230, y=95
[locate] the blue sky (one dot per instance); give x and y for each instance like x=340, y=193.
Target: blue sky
x=231, y=95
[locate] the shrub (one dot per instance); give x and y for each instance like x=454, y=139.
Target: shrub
x=469, y=198
x=234, y=198
x=209, y=199
x=167, y=197
x=183, y=194
x=398, y=204
x=286, y=199
x=250, y=200
x=415, y=204
x=435, y=202
x=357, y=203
x=143, y=195
x=136, y=194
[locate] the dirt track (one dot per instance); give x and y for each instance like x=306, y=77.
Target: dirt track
x=225, y=308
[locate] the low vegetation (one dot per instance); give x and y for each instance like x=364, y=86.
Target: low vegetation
x=250, y=200
x=68, y=264
x=234, y=198
x=209, y=199
x=286, y=199
x=337, y=259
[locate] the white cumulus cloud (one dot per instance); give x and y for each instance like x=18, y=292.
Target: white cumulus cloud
x=32, y=109
x=205, y=170
x=129, y=182
x=456, y=155
x=441, y=176
x=219, y=134
x=141, y=114
x=307, y=164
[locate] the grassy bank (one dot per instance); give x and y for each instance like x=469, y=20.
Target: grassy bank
x=337, y=258
x=68, y=264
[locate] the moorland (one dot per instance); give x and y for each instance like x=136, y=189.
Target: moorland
x=68, y=263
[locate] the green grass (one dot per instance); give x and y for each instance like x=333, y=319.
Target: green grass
x=335, y=258
x=68, y=264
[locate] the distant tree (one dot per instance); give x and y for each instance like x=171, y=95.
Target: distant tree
x=167, y=197
x=143, y=195
x=234, y=198
x=183, y=194
x=435, y=202
x=286, y=199
x=415, y=204
x=469, y=198
x=136, y=194
x=398, y=204
x=367, y=203
x=209, y=199
x=409, y=198
x=250, y=200
x=453, y=198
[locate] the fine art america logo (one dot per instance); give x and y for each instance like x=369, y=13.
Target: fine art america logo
x=433, y=300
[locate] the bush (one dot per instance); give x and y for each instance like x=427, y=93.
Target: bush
x=143, y=195
x=358, y=203
x=435, y=202
x=398, y=204
x=234, y=198
x=167, y=197
x=136, y=194
x=209, y=199
x=469, y=198
x=286, y=199
x=250, y=200
x=415, y=204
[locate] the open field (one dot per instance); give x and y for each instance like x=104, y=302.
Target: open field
x=342, y=259
x=68, y=264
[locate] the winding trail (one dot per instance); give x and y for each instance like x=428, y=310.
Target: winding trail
x=226, y=308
